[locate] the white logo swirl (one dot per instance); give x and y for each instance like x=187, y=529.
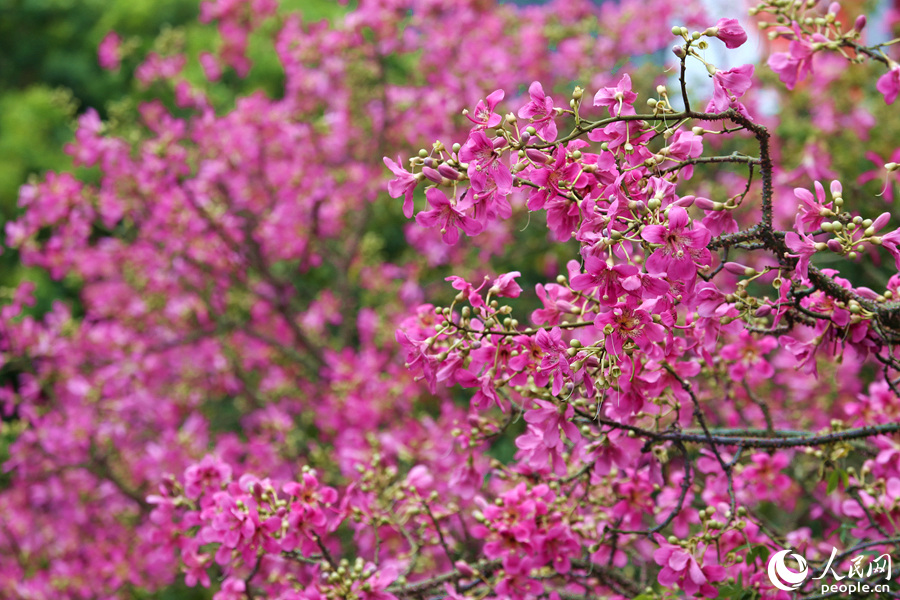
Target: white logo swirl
x=781, y=576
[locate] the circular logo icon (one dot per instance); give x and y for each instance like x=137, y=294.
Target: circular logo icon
x=784, y=578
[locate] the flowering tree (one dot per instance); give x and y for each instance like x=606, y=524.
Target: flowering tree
x=252, y=393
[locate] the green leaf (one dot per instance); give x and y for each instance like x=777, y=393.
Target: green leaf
x=760, y=551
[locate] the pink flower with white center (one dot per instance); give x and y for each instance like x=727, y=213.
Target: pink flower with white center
x=540, y=112
x=604, y=278
x=813, y=211
x=889, y=84
x=447, y=217
x=682, y=249
x=730, y=32
x=681, y=567
x=627, y=325
x=619, y=99
x=804, y=247
x=728, y=86
x=403, y=185
x=485, y=116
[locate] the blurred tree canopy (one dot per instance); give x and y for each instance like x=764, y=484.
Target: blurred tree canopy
x=49, y=73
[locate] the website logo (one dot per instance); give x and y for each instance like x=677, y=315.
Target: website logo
x=783, y=577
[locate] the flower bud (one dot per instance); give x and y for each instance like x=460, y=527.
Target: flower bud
x=679, y=51
x=730, y=32
x=739, y=269
x=538, y=156
x=836, y=189
x=881, y=220
x=860, y=23
x=432, y=174
x=835, y=246
x=763, y=311
x=705, y=203
x=448, y=172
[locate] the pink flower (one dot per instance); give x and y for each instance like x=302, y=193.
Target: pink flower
x=209, y=474
x=793, y=66
x=878, y=172
x=813, y=211
x=748, y=357
x=730, y=32
x=728, y=86
x=403, y=185
x=606, y=279
x=505, y=285
x=447, y=216
x=555, y=179
x=484, y=111
x=889, y=84
x=549, y=419
x=109, y=52
x=626, y=325
x=375, y=586
x=233, y=588
x=540, y=111
x=479, y=150
x=679, y=566
x=891, y=242
x=557, y=301
x=805, y=247
x=682, y=248
x=617, y=99
x=555, y=361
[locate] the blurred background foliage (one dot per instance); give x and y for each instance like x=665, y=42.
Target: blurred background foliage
x=49, y=74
